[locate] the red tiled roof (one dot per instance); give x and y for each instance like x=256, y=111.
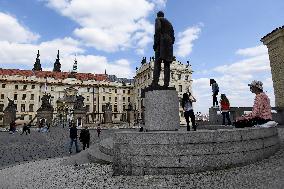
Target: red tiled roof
x=55, y=75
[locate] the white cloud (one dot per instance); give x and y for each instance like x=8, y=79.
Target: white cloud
x=160, y=3
x=185, y=40
x=253, y=51
x=110, y=25
x=251, y=64
x=98, y=64
x=233, y=80
x=12, y=31
x=25, y=54
x=15, y=54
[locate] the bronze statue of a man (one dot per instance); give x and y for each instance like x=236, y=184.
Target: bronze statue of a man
x=163, y=46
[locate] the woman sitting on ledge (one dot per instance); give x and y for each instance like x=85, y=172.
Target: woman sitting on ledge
x=261, y=111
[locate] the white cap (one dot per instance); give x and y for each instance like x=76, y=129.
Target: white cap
x=257, y=84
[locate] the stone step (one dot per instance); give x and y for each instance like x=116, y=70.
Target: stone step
x=106, y=146
x=96, y=156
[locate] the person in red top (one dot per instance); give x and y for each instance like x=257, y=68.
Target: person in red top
x=225, y=108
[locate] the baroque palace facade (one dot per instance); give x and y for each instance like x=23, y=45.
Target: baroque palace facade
x=26, y=87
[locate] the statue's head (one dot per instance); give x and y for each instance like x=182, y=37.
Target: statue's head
x=160, y=14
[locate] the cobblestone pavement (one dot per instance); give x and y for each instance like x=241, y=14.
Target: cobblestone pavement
x=265, y=174
x=16, y=148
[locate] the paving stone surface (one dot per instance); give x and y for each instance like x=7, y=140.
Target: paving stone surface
x=17, y=148
x=50, y=173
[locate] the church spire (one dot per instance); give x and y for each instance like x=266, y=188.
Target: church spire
x=37, y=65
x=57, y=65
x=58, y=55
x=105, y=71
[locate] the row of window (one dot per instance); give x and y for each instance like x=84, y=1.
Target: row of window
x=109, y=90
x=115, y=99
x=113, y=107
x=115, y=90
x=22, y=118
x=23, y=108
x=52, y=88
x=17, y=86
x=172, y=76
x=24, y=96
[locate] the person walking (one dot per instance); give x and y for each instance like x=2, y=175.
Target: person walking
x=215, y=91
x=85, y=137
x=73, y=139
x=26, y=129
x=187, y=100
x=99, y=130
x=12, y=127
x=225, y=108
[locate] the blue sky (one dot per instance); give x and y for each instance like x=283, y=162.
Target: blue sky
x=220, y=38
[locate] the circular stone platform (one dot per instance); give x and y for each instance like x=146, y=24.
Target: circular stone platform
x=178, y=152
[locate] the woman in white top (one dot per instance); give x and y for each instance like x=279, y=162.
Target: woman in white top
x=188, y=110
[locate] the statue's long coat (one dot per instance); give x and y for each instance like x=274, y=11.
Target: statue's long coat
x=164, y=39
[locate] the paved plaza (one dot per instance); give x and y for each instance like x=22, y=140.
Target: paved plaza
x=16, y=148
x=51, y=173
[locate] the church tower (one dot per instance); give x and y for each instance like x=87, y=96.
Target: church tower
x=37, y=65
x=57, y=65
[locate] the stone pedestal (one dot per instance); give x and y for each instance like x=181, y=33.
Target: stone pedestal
x=108, y=116
x=44, y=114
x=9, y=116
x=130, y=116
x=213, y=118
x=161, y=110
x=79, y=115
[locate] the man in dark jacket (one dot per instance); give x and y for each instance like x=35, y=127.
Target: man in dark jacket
x=73, y=137
x=85, y=137
x=163, y=46
x=26, y=129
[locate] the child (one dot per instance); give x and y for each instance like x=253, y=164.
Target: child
x=188, y=110
x=225, y=107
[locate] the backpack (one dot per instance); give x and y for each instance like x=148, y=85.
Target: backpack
x=217, y=87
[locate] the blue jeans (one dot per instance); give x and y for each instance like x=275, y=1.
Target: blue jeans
x=71, y=144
